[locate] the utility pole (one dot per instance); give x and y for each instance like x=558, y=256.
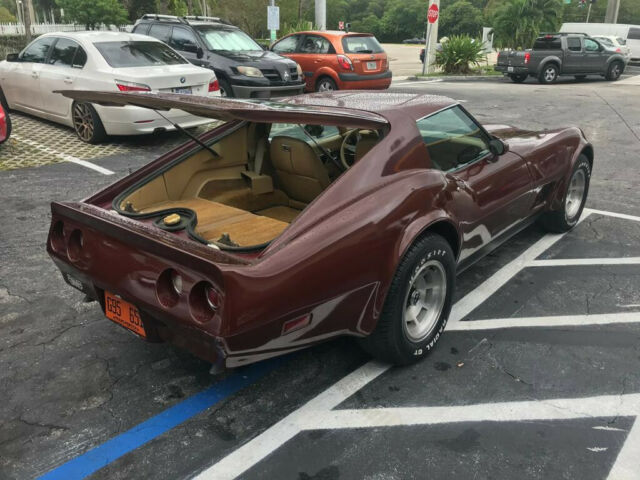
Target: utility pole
x=612, y=11
x=28, y=19
x=321, y=15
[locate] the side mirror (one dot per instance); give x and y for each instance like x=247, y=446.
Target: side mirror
x=12, y=57
x=498, y=147
x=199, y=52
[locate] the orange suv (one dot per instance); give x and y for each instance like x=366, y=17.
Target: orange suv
x=336, y=60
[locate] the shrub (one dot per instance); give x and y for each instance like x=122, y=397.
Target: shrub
x=459, y=53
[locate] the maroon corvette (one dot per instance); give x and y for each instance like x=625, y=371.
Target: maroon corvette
x=321, y=215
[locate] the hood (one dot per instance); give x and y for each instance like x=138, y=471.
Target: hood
x=284, y=111
x=256, y=58
x=521, y=141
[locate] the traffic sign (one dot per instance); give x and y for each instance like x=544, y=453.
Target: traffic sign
x=340, y=25
x=432, y=13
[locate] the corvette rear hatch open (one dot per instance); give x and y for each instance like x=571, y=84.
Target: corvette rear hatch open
x=284, y=111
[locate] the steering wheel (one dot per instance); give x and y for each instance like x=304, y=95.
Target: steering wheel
x=349, y=144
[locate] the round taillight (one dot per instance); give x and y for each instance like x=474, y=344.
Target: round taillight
x=213, y=297
x=168, y=288
x=204, y=301
x=176, y=282
x=56, y=237
x=75, y=245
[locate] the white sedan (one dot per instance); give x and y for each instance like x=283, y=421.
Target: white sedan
x=105, y=61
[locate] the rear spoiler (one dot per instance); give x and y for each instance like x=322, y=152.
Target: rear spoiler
x=284, y=111
x=145, y=237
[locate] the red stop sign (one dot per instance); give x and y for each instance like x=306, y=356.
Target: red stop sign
x=432, y=13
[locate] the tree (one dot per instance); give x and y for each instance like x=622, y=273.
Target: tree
x=137, y=8
x=460, y=18
x=92, y=13
x=177, y=7
x=6, y=16
x=404, y=19
x=518, y=22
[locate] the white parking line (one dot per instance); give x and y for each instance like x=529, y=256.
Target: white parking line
x=566, y=262
x=318, y=413
x=63, y=156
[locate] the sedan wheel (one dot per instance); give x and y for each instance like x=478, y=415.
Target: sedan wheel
x=87, y=123
x=417, y=305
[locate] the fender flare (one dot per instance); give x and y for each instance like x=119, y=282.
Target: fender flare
x=584, y=148
x=549, y=59
x=325, y=72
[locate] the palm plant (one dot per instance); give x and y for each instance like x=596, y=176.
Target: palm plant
x=458, y=53
x=518, y=22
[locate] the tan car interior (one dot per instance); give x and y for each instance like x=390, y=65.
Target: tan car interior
x=250, y=193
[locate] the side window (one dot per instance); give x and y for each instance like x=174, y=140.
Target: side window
x=80, y=58
x=141, y=29
x=590, y=45
x=63, y=53
x=161, y=32
x=316, y=44
x=453, y=139
x=287, y=45
x=37, y=51
x=183, y=39
x=573, y=44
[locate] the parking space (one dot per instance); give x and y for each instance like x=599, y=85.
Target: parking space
x=537, y=375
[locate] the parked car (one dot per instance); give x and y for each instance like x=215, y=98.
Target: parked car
x=337, y=60
x=340, y=213
x=414, y=41
x=556, y=54
x=5, y=124
x=617, y=44
x=241, y=65
x=629, y=33
x=100, y=61
x=438, y=49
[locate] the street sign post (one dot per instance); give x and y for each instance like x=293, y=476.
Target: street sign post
x=273, y=20
x=432, y=17
x=341, y=25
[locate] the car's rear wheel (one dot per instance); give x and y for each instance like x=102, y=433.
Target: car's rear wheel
x=573, y=201
x=614, y=71
x=518, y=78
x=8, y=122
x=225, y=88
x=549, y=73
x=87, y=123
x=418, y=303
x=326, y=84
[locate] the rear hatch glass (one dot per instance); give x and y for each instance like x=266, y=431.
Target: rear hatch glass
x=361, y=44
x=138, y=54
x=366, y=53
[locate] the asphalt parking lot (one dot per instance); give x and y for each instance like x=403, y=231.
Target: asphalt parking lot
x=537, y=375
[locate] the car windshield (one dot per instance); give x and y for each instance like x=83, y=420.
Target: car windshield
x=361, y=44
x=605, y=41
x=227, y=39
x=138, y=54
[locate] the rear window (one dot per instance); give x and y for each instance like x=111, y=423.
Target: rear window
x=138, y=54
x=361, y=44
x=605, y=41
x=634, y=34
x=544, y=43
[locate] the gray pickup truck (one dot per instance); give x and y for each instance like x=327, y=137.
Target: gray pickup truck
x=555, y=54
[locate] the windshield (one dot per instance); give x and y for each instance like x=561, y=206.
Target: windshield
x=605, y=41
x=138, y=54
x=361, y=44
x=231, y=40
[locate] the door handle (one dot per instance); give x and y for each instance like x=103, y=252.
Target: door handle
x=68, y=80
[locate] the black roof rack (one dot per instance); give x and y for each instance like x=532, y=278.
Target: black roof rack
x=163, y=18
x=202, y=18
x=562, y=34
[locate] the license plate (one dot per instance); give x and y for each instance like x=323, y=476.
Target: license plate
x=186, y=90
x=509, y=69
x=123, y=313
x=371, y=65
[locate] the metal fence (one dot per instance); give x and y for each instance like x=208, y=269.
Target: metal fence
x=40, y=28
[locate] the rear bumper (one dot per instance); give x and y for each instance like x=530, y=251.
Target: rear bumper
x=354, y=81
x=243, y=91
x=510, y=70
x=356, y=77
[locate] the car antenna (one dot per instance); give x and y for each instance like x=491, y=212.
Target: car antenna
x=190, y=135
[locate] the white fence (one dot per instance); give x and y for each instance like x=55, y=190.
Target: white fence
x=39, y=28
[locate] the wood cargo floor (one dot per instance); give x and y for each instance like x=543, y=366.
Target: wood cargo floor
x=244, y=228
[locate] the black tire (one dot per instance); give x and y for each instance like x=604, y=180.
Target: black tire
x=518, y=78
x=3, y=101
x=548, y=74
x=326, y=84
x=567, y=217
x=614, y=71
x=8, y=120
x=580, y=77
x=87, y=123
x=225, y=88
x=391, y=340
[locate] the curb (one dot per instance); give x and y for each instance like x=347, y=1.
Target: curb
x=455, y=78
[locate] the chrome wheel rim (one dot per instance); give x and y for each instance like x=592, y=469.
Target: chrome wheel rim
x=575, y=194
x=83, y=121
x=325, y=86
x=424, y=300
x=615, y=71
x=550, y=74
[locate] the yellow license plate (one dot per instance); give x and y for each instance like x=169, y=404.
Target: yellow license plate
x=123, y=313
